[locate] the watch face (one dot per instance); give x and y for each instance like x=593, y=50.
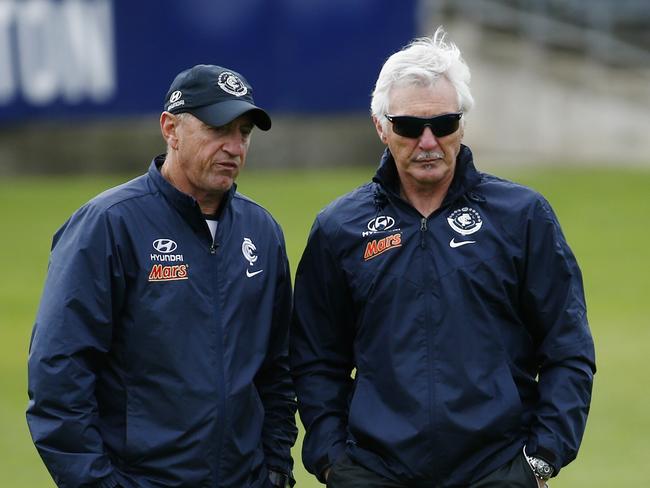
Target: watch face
x=542, y=469
x=545, y=469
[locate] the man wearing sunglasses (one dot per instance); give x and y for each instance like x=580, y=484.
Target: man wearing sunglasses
x=439, y=336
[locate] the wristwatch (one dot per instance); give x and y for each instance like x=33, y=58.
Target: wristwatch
x=541, y=468
x=281, y=480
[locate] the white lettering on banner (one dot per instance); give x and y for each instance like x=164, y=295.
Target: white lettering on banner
x=60, y=50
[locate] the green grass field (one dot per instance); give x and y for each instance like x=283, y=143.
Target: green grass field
x=605, y=215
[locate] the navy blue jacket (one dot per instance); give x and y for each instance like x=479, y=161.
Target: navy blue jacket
x=159, y=357
x=432, y=349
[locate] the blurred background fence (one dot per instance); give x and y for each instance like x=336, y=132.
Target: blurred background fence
x=82, y=81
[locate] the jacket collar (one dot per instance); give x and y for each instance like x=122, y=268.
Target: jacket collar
x=465, y=178
x=186, y=205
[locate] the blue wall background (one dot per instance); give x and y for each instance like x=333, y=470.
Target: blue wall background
x=98, y=58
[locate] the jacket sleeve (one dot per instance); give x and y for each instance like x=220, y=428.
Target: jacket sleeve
x=555, y=312
x=274, y=383
x=321, y=352
x=72, y=333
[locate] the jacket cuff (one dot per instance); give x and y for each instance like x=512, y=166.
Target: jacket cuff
x=333, y=454
x=279, y=464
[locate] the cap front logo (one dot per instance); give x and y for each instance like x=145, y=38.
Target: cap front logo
x=230, y=83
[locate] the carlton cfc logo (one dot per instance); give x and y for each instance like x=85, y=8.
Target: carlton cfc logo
x=249, y=251
x=465, y=221
x=230, y=83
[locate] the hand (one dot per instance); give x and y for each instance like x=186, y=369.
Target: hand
x=541, y=484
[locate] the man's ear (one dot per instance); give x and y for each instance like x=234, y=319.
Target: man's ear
x=168, y=127
x=380, y=130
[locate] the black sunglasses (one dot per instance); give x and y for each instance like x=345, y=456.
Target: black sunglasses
x=441, y=125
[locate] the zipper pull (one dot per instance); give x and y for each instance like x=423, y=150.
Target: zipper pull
x=423, y=229
x=213, y=248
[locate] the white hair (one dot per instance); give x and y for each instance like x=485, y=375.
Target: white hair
x=422, y=63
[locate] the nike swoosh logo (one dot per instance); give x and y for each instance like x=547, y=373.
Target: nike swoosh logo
x=454, y=244
x=250, y=275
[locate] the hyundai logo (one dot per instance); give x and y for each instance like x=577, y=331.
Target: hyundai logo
x=382, y=222
x=164, y=245
x=175, y=96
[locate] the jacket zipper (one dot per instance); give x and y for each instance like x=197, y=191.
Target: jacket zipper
x=430, y=334
x=221, y=376
x=423, y=229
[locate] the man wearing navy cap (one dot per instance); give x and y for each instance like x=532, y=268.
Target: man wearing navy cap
x=159, y=353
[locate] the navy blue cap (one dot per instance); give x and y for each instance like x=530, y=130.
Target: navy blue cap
x=214, y=95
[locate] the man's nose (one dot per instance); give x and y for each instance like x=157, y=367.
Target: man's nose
x=234, y=143
x=427, y=140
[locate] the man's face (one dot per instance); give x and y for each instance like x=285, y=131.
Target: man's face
x=427, y=161
x=210, y=158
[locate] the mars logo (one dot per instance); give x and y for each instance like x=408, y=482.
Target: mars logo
x=230, y=83
x=465, y=221
x=248, y=249
x=176, y=272
x=378, y=246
